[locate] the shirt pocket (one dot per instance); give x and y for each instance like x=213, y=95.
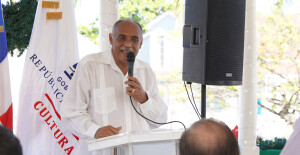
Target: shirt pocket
x=104, y=100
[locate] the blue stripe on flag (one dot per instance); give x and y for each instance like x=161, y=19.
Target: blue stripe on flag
x=3, y=43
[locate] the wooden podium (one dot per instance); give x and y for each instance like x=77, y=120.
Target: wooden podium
x=150, y=142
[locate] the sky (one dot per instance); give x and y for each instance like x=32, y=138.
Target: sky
x=87, y=11
x=84, y=17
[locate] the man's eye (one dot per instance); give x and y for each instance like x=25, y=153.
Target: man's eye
x=121, y=37
x=135, y=39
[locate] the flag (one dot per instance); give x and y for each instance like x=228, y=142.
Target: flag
x=6, y=109
x=50, y=63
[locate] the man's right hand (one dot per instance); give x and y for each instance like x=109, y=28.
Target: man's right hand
x=107, y=131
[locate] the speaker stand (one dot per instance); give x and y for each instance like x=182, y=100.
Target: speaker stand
x=203, y=101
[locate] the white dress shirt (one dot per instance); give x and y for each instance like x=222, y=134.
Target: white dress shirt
x=97, y=97
x=291, y=147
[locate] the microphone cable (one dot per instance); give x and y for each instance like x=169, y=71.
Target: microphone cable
x=193, y=104
x=154, y=121
x=130, y=61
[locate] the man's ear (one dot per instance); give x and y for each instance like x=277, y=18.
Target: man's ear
x=141, y=43
x=110, y=38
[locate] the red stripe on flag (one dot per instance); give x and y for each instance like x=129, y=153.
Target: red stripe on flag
x=76, y=137
x=7, y=118
x=57, y=114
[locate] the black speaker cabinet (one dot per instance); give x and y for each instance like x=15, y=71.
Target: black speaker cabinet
x=213, y=41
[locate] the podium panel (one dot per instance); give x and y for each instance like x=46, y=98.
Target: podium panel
x=139, y=143
x=157, y=147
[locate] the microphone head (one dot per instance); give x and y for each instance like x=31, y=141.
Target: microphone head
x=130, y=57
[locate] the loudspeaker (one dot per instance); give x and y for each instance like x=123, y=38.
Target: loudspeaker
x=213, y=41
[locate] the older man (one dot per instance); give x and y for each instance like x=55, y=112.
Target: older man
x=97, y=103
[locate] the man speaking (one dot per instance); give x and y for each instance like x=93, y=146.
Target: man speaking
x=98, y=104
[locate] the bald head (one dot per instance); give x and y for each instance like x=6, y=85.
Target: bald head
x=127, y=20
x=208, y=137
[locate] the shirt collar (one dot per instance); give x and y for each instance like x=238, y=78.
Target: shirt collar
x=107, y=58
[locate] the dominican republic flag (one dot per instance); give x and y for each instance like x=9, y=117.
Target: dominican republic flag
x=50, y=63
x=6, y=109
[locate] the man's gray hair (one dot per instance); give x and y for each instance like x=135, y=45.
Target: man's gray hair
x=126, y=20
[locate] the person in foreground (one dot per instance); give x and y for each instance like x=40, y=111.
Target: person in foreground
x=291, y=147
x=97, y=103
x=9, y=143
x=208, y=137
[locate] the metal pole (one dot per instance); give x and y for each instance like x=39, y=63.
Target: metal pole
x=203, y=101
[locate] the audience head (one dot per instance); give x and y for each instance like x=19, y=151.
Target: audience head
x=9, y=144
x=208, y=137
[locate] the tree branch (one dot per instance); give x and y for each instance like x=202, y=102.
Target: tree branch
x=269, y=109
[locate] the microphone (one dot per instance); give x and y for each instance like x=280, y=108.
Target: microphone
x=130, y=63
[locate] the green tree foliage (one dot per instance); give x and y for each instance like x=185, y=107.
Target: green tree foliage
x=18, y=19
x=143, y=11
x=91, y=31
x=279, y=63
x=140, y=11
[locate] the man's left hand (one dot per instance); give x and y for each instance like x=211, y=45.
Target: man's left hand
x=135, y=90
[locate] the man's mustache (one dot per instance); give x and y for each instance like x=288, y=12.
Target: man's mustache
x=126, y=48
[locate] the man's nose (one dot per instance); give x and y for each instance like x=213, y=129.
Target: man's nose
x=128, y=43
